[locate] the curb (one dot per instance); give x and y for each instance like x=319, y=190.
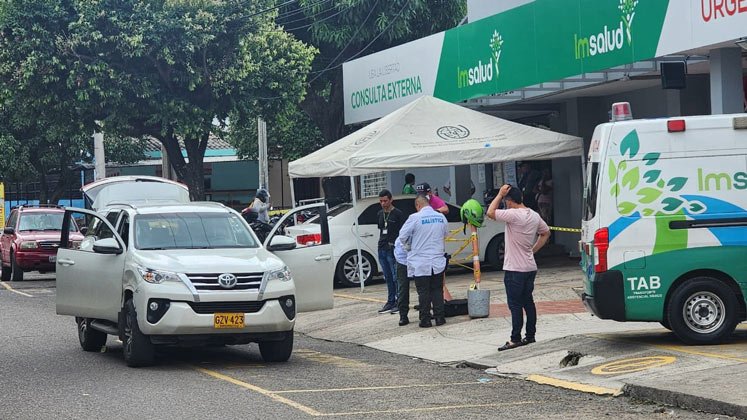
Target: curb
x=682, y=400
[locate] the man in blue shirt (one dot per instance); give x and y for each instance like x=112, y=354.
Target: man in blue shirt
x=425, y=233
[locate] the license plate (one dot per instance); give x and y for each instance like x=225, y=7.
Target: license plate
x=52, y=258
x=228, y=320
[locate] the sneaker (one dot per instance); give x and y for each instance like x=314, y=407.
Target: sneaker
x=386, y=309
x=403, y=321
x=440, y=321
x=394, y=310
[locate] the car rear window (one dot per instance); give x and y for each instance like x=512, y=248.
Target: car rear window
x=38, y=221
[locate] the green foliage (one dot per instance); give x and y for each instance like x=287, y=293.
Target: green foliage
x=172, y=70
x=342, y=30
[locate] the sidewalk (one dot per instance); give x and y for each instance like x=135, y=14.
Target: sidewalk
x=662, y=369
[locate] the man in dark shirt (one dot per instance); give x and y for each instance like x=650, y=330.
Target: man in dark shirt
x=390, y=222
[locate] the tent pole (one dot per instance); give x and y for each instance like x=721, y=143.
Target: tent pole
x=357, y=233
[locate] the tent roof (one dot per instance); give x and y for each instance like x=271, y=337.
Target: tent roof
x=430, y=132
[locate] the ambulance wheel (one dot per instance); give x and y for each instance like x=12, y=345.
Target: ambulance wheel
x=703, y=310
x=347, y=273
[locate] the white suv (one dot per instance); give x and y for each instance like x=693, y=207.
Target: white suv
x=185, y=274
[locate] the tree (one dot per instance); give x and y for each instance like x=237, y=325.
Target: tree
x=345, y=29
x=177, y=70
x=44, y=126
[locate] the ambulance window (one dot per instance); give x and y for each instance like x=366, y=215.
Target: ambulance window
x=591, y=191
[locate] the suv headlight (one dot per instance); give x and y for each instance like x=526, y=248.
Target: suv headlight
x=283, y=274
x=157, y=276
x=29, y=245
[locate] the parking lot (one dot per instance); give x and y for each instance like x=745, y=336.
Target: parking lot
x=45, y=374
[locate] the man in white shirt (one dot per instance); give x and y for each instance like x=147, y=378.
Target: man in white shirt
x=425, y=233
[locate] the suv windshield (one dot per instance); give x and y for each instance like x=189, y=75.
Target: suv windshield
x=191, y=231
x=42, y=221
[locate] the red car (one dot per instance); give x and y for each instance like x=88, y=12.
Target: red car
x=30, y=240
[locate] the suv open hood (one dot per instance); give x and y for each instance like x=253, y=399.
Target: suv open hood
x=126, y=189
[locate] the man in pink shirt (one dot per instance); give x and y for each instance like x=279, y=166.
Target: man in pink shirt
x=526, y=233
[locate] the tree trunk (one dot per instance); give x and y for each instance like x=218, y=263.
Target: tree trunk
x=327, y=114
x=190, y=172
x=43, y=194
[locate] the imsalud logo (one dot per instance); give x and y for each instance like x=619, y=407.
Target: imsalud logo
x=481, y=73
x=609, y=38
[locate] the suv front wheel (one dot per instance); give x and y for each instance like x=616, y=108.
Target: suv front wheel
x=277, y=351
x=15, y=268
x=137, y=347
x=90, y=339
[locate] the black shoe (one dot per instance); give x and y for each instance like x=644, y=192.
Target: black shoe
x=403, y=322
x=440, y=321
x=528, y=340
x=417, y=307
x=425, y=323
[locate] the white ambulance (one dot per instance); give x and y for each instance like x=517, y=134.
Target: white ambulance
x=664, y=234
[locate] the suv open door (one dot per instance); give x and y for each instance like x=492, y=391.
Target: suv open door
x=89, y=273
x=310, y=264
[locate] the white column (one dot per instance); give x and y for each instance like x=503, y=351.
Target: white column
x=727, y=94
x=99, y=156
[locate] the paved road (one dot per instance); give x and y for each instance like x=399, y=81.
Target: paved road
x=45, y=374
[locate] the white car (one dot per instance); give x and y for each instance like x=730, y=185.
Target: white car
x=184, y=273
x=343, y=237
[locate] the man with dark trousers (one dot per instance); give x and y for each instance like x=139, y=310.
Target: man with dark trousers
x=526, y=233
x=425, y=233
x=390, y=222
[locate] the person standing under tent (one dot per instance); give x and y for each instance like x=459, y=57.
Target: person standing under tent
x=409, y=187
x=390, y=221
x=434, y=201
x=425, y=232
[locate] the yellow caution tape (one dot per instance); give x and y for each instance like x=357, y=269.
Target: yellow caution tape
x=565, y=229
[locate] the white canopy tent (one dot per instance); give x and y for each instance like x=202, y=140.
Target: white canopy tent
x=427, y=133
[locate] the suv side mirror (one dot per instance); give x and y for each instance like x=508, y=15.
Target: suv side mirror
x=9, y=231
x=281, y=243
x=107, y=246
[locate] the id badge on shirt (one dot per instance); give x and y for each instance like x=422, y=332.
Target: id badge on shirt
x=384, y=231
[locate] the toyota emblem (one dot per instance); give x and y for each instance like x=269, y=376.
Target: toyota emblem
x=227, y=280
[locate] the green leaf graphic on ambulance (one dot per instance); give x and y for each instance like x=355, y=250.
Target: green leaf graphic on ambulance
x=612, y=171
x=631, y=178
x=648, y=195
x=671, y=204
x=652, y=175
x=696, y=207
x=651, y=158
x=630, y=144
x=615, y=191
x=626, y=208
x=677, y=183
x=661, y=183
x=648, y=212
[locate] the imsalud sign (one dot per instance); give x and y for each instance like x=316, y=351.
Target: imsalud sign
x=540, y=41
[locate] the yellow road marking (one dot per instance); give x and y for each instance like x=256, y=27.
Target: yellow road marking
x=7, y=286
x=682, y=349
x=340, y=295
x=375, y=388
x=308, y=410
x=439, y=408
x=559, y=383
x=632, y=365
x=316, y=356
